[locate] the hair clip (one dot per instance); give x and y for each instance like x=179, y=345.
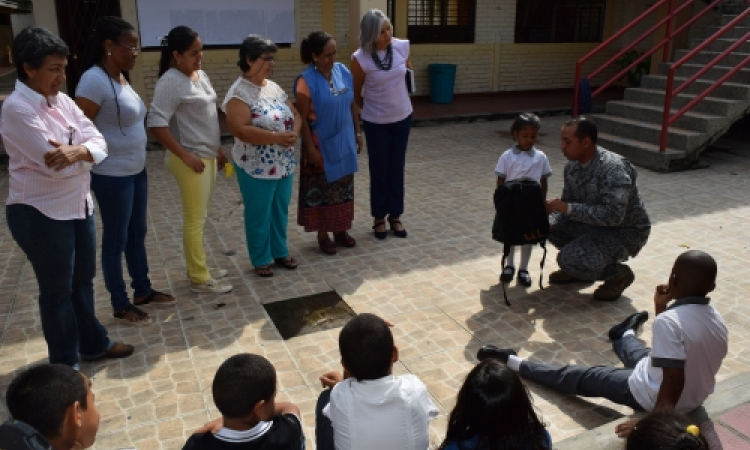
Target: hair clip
x=164, y=42
x=692, y=429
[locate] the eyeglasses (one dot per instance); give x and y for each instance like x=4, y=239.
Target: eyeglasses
x=133, y=50
x=268, y=58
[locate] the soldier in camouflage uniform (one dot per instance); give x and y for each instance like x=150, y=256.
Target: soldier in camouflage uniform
x=600, y=221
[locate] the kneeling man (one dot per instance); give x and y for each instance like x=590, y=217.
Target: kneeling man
x=600, y=221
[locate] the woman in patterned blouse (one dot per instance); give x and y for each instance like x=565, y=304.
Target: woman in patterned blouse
x=265, y=126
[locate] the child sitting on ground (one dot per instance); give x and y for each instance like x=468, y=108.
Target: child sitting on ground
x=494, y=411
x=52, y=408
x=367, y=407
x=244, y=391
x=666, y=430
x=523, y=160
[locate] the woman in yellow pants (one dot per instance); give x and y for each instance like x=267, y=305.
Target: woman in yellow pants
x=184, y=119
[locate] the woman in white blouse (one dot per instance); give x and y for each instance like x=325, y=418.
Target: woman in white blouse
x=265, y=126
x=184, y=119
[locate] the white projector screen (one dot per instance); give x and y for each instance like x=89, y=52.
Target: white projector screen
x=218, y=22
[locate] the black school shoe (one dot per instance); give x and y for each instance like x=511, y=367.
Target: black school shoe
x=632, y=322
x=524, y=278
x=507, y=275
x=490, y=351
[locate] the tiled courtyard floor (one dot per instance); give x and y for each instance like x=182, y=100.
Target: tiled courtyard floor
x=439, y=287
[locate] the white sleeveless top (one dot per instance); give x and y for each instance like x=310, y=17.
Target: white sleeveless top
x=386, y=99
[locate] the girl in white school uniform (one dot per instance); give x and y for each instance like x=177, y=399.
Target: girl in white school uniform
x=523, y=160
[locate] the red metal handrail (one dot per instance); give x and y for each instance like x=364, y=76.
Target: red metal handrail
x=670, y=34
x=670, y=94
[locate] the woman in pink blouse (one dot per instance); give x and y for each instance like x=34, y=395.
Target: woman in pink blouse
x=52, y=146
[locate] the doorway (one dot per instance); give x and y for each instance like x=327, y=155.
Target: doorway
x=76, y=19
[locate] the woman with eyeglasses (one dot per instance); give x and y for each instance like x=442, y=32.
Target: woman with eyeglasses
x=184, y=119
x=265, y=126
x=51, y=147
x=379, y=66
x=331, y=139
x=119, y=182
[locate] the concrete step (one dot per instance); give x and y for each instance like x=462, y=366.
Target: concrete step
x=710, y=105
x=714, y=73
x=691, y=120
x=720, y=45
x=726, y=18
x=641, y=153
x=735, y=91
x=728, y=395
x=706, y=57
x=733, y=33
x=677, y=138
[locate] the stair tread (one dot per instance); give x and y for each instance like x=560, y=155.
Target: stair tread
x=696, y=114
x=636, y=143
x=652, y=126
x=711, y=52
x=718, y=66
x=682, y=94
x=700, y=80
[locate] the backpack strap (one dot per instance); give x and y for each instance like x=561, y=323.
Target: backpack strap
x=542, y=244
x=506, y=251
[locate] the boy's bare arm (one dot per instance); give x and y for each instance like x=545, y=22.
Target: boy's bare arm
x=544, y=188
x=500, y=180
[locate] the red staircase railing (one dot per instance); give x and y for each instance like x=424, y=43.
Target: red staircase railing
x=671, y=33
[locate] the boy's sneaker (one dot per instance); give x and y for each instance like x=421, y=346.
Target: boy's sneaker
x=211, y=286
x=490, y=351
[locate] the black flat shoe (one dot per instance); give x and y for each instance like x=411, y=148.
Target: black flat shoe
x=379, y=234
x=399, y=233
x=632, y=322
x=507, y=275
x=490, y=351
x=524, y=279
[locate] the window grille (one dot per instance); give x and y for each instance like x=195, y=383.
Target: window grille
x=441, y=21
x=560, y=20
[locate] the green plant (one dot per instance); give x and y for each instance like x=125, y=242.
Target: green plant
x=636, y=73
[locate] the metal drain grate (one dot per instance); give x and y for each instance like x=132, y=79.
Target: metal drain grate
x=309, y=314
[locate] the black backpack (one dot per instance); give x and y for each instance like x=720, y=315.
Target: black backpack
x=520, y=219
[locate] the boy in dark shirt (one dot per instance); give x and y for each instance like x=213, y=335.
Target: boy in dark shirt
x=244, y=391
x=52, y=408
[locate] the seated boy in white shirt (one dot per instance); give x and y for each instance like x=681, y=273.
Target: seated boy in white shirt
x=367, y=407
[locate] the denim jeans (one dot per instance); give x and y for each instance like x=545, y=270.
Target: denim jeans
x=386, y=148
x=323, y=427
x=123, y=203
x=597, y=381
x=63, y=255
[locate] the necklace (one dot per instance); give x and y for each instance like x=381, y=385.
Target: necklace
x=328, y=78
x=386, y=63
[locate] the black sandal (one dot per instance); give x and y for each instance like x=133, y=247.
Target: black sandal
x=287, y=262
x=264, y=271
x=399, y=233
x=379, y=234
x=143, y=317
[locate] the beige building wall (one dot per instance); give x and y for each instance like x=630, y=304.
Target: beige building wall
x=493, y=63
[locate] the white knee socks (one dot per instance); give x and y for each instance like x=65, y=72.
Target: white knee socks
x=525, y=257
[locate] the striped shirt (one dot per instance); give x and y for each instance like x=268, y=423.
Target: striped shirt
x=29, y=121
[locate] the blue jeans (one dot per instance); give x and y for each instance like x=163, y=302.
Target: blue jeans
x=323, y=427
x=266, y=216
x=386, y=148
x=63, y=255
x=123, y=202
x=597, y=381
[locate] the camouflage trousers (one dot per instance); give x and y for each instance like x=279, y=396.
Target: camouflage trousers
x=592, y=253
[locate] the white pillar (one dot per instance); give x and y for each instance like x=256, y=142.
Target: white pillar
x=357, y=9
